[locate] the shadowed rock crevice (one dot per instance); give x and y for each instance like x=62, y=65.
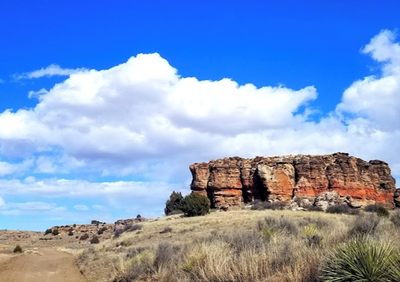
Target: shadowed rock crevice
x=231, y=182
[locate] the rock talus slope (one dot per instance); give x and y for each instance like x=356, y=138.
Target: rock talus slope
x=231, y=182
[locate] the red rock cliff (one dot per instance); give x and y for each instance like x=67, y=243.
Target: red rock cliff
x=230, y=182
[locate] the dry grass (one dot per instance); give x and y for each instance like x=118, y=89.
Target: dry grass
x=267, y=245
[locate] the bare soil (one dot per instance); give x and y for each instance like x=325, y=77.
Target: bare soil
x=41, y=260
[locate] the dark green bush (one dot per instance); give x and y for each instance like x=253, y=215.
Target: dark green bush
x=345, y=209
x=84, y=237
x=260, y=205
x=48, y=231
x=378, y=209
x=173, y=202
x=382, y=211
x=101, y=230
x=195, y=204
x=313, y=208
x=95, y=240
x=55, y=232
x=371, y=208
x=18, y=249
x=362, y=259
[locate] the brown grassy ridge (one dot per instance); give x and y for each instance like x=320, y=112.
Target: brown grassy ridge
x=231, y=246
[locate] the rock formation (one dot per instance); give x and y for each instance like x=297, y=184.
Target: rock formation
x=232, y=182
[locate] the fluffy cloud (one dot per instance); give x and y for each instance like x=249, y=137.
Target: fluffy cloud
x=376, y=100
x=52, y=70
x=141, y=119
x=7, y=168
x=128, y=117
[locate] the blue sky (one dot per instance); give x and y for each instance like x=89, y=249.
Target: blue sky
x=104, y=105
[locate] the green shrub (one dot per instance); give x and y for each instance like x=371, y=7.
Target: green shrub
x=345, y=209
x=195, y=204
x=95, y=240
x=371, y=208
x=260, y=205
x=55, y=232
x=18, y=249
x=48, y=231
x=361, y=259
x=382, y=211
x=173, y=202
x=101, y=230
x=84, y=237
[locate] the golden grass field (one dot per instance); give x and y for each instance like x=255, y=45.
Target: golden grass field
x=241, y=245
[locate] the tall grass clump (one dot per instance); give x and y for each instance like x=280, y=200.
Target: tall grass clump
x=362, y=259
x=395, y=218
x=364, y=224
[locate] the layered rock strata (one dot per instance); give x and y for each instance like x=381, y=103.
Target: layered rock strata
x=232, y=182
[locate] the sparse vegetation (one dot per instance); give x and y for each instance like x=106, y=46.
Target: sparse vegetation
x=269, y=245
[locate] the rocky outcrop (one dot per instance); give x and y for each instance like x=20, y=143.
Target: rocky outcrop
x=106, y=230
x=231, y=182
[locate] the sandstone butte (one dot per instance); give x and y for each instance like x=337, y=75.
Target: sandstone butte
x=336, y=178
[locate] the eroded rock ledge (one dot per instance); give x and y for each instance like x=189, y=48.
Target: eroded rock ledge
x=232, y=182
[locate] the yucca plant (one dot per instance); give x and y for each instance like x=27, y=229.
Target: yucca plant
x=362, y=260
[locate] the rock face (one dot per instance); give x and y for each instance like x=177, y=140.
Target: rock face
x=231, y=182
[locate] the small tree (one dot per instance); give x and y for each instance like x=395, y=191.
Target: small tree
x=195, y=204
x=173, y=202
x=95, y=240
x=18, y=249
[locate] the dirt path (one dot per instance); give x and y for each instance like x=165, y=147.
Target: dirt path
x=47, y=265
